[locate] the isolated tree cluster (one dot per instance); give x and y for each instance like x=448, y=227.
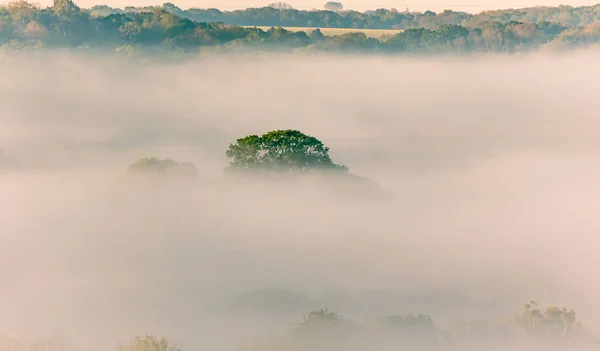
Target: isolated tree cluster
x=153, y=166
x=280, y=5
x=334, y=6
x=280, y=152
x=283, y=155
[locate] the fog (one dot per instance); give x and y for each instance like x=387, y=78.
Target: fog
x=492, y=163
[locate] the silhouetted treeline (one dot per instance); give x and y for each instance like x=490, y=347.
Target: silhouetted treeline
x=167, y=29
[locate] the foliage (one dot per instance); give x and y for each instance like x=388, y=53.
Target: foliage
x=280, y=152
x=566, y=16
x=552, y=322
x=137, y=32
x=148, y=343
x=323, y=329
x=334, y=6
x=154, y=166
x=321, y=318
x=422, y=324
x=280, y=5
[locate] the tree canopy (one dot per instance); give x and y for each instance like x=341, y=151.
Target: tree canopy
x=155, y=166
x=143, y=32
x=567, y=16
x=280, y=5
x=280, y=152
x=334, y=6
x=147, y=343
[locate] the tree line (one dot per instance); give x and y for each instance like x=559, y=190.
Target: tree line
x=168, y=30
x=323, y=329
x=333, y=15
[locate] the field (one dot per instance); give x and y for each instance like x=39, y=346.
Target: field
x=374, y=33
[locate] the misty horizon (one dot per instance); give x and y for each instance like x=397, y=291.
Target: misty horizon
x=469, y=6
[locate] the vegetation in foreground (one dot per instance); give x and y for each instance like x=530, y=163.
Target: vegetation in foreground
x=323, y=329
x=169, y=31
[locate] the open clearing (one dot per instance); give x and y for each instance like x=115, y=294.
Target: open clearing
x=374, y=33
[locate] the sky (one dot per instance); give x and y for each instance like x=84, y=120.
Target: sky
x=361, y=5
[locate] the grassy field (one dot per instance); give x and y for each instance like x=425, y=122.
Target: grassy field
x=374, y=33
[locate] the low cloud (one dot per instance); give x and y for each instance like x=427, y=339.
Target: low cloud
x=492, y=162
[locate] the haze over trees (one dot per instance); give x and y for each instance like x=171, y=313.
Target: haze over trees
x=165, y=167
x=169, y=30
x=280, y=5
x=334, y=6
x=147, y=343
x=463, y=155
x=280, y=154
x=324, y=329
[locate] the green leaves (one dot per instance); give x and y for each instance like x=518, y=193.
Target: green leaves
x=280, y=152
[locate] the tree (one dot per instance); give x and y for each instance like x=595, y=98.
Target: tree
x=317, y=35
x=35, y=29
x=320, y=318
x=154, y=166
x=421, y=324
x=21, y=10
x=281, y=5
x=552, y=322
x=170, y=7
x=130, y=30
x=334, y=6
x=280, y=152
x=148, y=343
x=65, y=7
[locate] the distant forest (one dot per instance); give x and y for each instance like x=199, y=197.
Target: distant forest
x=279, y=14
x=167, y=29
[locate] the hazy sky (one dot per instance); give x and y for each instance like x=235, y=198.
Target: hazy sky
x=436, y=5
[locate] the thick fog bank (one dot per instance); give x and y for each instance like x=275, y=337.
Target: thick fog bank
x=492, y=163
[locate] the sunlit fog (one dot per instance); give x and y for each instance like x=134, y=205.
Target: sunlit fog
x=492, y=163
x=274, y=179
